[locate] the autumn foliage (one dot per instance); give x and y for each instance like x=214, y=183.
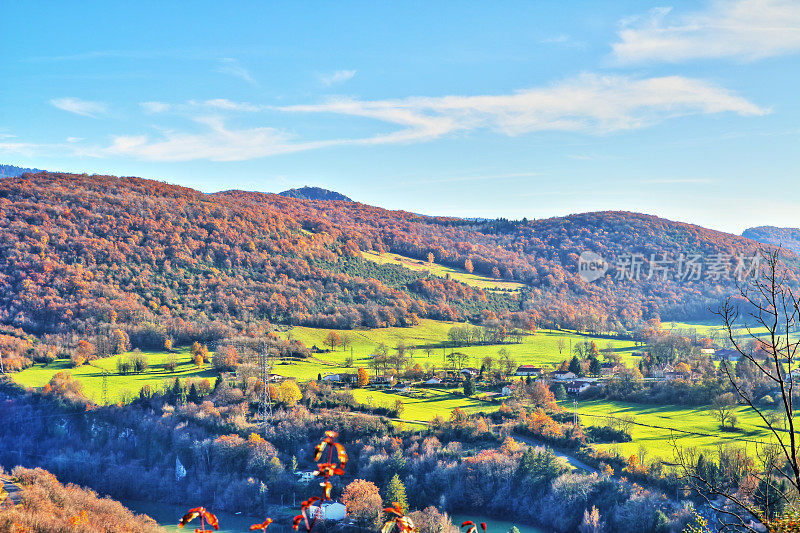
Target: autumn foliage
x=47, y=505
x=158, y=261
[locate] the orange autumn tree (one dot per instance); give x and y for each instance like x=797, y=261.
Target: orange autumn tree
x=541, y=424
x=363, y=501
x=363, y=378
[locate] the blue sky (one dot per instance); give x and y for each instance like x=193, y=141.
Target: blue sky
x=687, y=110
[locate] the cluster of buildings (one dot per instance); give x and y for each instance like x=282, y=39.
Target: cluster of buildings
x=573, y=383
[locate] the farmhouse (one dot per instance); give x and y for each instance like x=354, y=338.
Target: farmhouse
x=511, y=388
x=726, y=355
x=563, y=375
x=661, y=372
x=331, y=377
x=350, y=377
x=578, y=386
x=330, y=511
x=608, y=369
x=305, y=477
x=528, y=370
x=401, y=387
x=469, y=371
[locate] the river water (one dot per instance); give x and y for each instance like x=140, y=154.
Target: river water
x=168, y=515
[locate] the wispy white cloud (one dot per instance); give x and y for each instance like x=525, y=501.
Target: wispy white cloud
x=339, y=76
x=746, y=29
x=216, y=142
x=228, y=65
x=18, y=148
x=80, y=107
x=155, y=107
x=223, y=104
x=563, y=39
x=588, y=104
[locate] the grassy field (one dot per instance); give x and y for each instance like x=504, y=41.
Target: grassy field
x=689, y=426
x=538, y=349
x=475, y=280
x=118, y=386
x=657, y=424
x=424, y=404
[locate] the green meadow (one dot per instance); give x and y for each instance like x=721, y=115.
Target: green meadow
x=424, y=404
x=91, y=376
x=657, y=427
x=541, y=348
x=441, y=271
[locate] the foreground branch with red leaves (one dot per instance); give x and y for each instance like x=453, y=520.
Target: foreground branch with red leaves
x=205, y=516
x=472, y=528
x=311, y=509
x=262, y=526
x=399, y=523
x=325, y=471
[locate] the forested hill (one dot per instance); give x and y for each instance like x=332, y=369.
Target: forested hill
x=314, y=193
x=82, y=252
x=544, y=255
x=787, y=237
x=7, y=171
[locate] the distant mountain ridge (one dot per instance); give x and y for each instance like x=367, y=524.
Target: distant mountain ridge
x=314, y=193
x=11, y=171
x=787, y=237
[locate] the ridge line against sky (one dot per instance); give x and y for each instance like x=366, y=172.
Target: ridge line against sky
x=671, y=110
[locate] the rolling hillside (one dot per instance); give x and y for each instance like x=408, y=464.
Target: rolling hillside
x=78, y=252
x=10, y=171
x=314, y=193
x=789, y=238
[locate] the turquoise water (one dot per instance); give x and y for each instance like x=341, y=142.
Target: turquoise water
x=168, y=515
x=495, y=526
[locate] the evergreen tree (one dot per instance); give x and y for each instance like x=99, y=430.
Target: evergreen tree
x=177, y=390
x=660, y=522
x=575, y=366
x=396, y=492
x=594, y=366
x=559, y=392
x=193, y=396
x=469, y=386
